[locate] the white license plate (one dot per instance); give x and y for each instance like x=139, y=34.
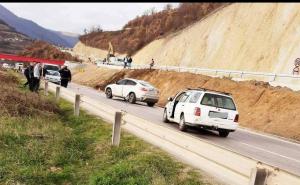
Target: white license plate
x=222, y=115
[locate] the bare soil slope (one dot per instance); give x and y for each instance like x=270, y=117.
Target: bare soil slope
x=242, y=36
x=262, y=107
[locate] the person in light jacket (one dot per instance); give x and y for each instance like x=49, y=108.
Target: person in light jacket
x=36, y=77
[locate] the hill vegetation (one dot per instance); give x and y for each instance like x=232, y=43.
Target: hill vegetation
x=144, y=29
x=41, y=49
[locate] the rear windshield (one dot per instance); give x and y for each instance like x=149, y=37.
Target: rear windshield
x=146, y=84
x=219, y=101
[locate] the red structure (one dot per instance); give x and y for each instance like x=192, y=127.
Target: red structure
x=30, y=59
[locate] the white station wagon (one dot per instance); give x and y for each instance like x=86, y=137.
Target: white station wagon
x=133, y=90
x=205, y=108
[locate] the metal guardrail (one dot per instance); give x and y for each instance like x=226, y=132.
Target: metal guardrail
x=226, y=165
x=212, y=71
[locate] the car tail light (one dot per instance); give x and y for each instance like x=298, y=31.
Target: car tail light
x=236, y=119
x=197, y=111
x=144, y=89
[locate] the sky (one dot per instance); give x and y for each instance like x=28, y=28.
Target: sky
x=75, y=17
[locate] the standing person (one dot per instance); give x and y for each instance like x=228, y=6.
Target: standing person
x=65, y=75
x=31, y=77
x=26, y=74
x=151, y=64
x=37, y=76
x=129, y=62
x=125, y=62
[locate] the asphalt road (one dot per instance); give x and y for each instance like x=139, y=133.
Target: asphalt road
x=268, y=149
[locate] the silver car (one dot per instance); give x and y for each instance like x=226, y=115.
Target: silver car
x=53, y=76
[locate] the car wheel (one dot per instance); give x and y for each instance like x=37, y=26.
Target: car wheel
x=223, y=133
x=165, y=116
x=108, y=93
x=150, y=104
x=132, y=98
x=182, y=125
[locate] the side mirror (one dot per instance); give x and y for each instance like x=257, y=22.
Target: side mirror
x=170, y=99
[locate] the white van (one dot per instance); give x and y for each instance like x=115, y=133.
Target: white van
x=205, y=108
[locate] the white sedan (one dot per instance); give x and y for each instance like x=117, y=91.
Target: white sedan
x=133, y=90
x=53, y=76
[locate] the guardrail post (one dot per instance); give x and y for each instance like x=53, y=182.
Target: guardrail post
x=216, y=72
x=77, y=105
x=46, y=88
x=242, y=74
x=229, y=74
x=258, y=176
x=117, y=129
x=57, y=94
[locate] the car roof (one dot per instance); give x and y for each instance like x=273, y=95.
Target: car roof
x=210, y=91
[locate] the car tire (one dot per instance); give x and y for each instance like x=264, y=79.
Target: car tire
x=223, y=133
x=182, y=125
x=150, y=104
x=165, y=117
x=132, y=98
x=108, y=93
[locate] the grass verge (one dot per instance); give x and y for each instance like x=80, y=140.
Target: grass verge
x=58, y=148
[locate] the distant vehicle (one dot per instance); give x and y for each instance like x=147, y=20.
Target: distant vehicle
x=204, y=108
x=51, y=67
x=19, y=66
x=7, y=66
x=133, y=90
x=116, y=61
x=53, y=76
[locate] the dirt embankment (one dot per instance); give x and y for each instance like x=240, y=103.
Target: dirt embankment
x=262, y=107
x=242, y=36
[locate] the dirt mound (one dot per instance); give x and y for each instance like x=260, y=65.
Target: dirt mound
x=41, y=49
x=14, y=102
x=262, y=107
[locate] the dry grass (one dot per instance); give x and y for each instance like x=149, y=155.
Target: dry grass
x=14, y=102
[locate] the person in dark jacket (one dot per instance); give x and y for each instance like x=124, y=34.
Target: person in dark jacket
x=65, y=75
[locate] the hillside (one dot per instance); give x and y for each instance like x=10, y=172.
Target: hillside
x=242, y=36
x=12, y=41
x=36, y=31
x=41, y=49
x=143, y=30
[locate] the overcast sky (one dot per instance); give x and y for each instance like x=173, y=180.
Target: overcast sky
x=74, y=17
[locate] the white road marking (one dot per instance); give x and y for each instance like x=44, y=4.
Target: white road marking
x=258, y=148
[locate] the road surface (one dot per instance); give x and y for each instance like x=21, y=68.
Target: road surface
x=271, y=150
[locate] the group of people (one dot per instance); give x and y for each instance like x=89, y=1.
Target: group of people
x=34, y=72
x=127, y=61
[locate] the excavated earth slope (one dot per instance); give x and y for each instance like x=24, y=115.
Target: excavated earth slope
x=243, y=36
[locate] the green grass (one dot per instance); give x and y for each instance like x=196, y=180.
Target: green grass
x=63, y=149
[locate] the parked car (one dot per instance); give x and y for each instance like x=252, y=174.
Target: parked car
x=51, y=67
x=116, y=61
x=205, y=108
x=133, y=90
x=53, y=76
x=8, y=66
